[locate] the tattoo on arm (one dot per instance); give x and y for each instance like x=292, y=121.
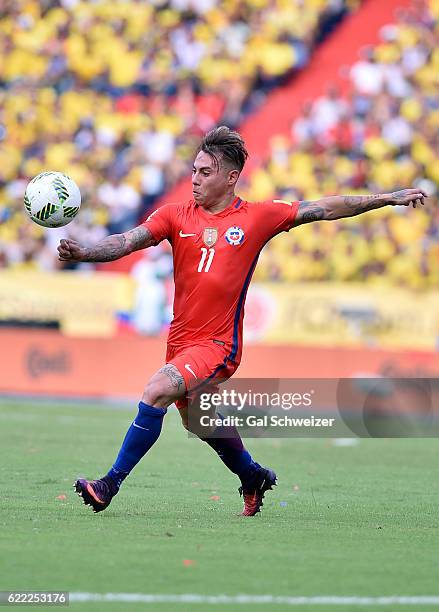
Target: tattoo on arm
x=108, y=249
x=338, y=207
x=309, y=211
x=313, y=214
x=139, y=238
x=118, y=245
x=359, y=204
x=400, y=195
x=176, y=379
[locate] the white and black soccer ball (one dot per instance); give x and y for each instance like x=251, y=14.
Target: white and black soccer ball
x=52, y=199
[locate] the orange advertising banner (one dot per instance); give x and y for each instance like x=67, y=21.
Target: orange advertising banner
x=50, y=364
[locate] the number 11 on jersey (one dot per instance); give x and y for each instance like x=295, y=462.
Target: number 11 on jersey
x=205, y=259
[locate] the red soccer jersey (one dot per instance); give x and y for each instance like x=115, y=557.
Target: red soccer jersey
x=214, y=259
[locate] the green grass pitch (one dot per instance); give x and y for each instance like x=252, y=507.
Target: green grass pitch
x=358, y=520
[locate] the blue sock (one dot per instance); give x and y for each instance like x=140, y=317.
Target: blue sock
x=230, y=449
x=143, y=432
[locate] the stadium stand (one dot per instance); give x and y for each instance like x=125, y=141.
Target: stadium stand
x=117, y=94
x=382, y=135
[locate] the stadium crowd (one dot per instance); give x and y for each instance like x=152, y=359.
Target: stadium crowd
x=117, y=94
x=381, y=137
x=118, y=98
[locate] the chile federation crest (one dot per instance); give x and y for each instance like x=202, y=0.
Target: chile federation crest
x=234, y=235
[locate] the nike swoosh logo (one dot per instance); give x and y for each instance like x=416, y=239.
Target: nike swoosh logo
x=139, y=427
x=189, y=369
x=185, y=235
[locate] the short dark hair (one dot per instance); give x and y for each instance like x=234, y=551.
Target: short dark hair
x=223, y=144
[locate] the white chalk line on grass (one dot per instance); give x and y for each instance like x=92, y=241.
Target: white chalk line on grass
x=322, y=600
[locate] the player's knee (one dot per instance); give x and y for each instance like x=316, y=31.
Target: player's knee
x=166, y=386
x=156, y=394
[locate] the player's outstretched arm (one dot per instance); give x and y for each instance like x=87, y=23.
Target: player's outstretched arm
x=338, y=207
x=110, y=248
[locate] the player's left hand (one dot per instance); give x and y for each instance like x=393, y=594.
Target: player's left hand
x=405, y=197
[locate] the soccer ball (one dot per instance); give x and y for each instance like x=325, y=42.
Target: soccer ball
x=52, y=199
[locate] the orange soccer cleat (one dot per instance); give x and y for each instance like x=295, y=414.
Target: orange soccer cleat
x=253, y=491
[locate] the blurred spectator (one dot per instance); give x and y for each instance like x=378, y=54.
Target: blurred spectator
x=122, y=201
x=150, y=272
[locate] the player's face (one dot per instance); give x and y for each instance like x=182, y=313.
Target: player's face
x=211, y=183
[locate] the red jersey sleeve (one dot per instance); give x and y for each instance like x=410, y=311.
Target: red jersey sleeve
x=160, y=223
x=277, y=215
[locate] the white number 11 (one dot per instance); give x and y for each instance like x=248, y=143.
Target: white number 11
x=204, y=252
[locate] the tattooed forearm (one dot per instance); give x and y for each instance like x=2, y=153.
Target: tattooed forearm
x=118, y=245
x=337, y=207
x=176, y=379
x=108, y=249
x=359, y=204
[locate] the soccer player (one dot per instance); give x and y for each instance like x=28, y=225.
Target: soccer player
x=216, y=239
